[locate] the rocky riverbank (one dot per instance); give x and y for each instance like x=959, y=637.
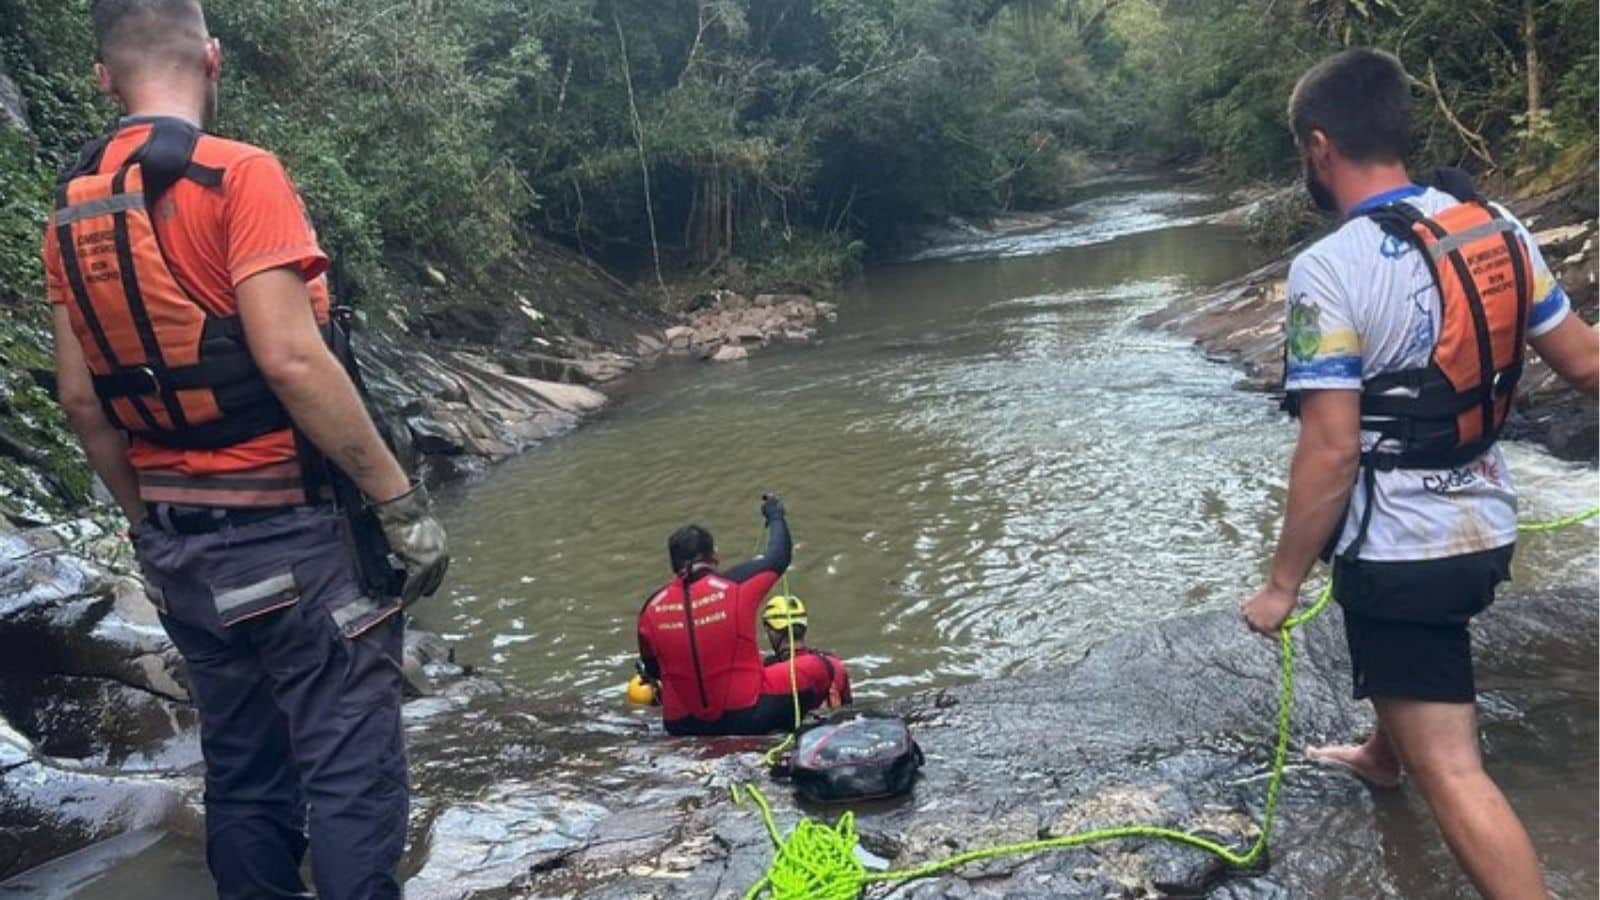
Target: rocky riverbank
x=1168, y=725
x=474, y=381
x=1241, y=322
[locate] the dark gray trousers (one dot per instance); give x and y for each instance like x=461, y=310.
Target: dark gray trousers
x=299, y=721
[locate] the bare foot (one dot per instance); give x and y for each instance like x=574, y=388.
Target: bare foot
x=1361, y=760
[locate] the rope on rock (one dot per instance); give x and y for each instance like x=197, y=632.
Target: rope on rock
x=819, y=862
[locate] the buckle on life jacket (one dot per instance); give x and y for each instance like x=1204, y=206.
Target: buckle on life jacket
x=154, y=380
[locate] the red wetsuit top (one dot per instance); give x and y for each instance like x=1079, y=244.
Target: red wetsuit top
x=704, y=652
x=820, y=677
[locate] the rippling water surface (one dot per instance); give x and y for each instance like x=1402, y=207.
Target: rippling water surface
x=988, y=466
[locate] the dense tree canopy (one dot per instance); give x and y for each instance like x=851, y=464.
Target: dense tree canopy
x=793, y=134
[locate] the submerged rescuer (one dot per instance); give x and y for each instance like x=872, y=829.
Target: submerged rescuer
x=1405, y=337
x=697, y=639
x=189, y=304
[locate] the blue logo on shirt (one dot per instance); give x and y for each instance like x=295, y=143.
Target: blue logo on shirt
x=1394, y=248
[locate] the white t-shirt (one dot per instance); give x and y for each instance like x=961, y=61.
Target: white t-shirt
x=1362, y=303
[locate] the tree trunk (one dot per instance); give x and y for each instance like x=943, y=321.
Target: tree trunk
x=638, y=138
x=1530, y=41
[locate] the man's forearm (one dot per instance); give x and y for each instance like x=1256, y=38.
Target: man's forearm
x=107, y=451
x=1320, y=481
x=324, y=404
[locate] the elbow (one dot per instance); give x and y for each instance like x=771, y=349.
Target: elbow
x=288, y=370
x=1587, y=379
x=82, y=408
x=1339, y=456
x=1344, y=455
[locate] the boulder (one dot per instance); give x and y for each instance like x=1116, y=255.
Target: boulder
x=501, y=842
x=678, y=338
x=747, y=334
x=730, y=353
x=48, y=810
x=86, y=671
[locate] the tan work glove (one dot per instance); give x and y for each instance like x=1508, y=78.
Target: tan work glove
x=416, y=540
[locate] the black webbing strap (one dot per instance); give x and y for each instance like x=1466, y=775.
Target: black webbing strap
x=236, y=428
x=1524, y=284
x=167, y=156
x=1369, y=484
x=88, y=161
x=1480, y=321
x=80, y=295
x=215, y=372
x=136, y=306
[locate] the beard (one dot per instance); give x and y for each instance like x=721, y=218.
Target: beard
x=1320, y=195
x=213, y=104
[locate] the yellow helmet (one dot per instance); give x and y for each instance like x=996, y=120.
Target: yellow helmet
x=783, y=611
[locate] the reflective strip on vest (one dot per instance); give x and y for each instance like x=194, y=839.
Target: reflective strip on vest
x=1461, y=239
x=100, y=206
x=268, y=486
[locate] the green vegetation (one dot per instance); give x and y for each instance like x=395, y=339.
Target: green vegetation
x=792, y=134
x=667, y=138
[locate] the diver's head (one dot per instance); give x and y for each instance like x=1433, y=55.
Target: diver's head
x=689, y=546
x=784, y=615
x=1351, y=114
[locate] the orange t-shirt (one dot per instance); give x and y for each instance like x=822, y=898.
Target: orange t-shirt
x=212, y=241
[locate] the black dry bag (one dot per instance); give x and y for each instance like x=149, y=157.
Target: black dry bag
x=854, y=757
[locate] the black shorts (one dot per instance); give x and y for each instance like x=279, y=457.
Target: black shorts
x=1406, y=623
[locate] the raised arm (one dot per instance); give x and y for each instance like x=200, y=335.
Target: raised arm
x=774, y=560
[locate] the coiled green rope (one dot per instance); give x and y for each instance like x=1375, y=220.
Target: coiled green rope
x=819, y=862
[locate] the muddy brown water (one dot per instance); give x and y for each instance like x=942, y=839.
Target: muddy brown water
x=988, y=467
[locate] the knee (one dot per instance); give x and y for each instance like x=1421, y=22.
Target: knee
x=1445, y=771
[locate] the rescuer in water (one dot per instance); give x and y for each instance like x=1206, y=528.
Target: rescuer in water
x=698, y=641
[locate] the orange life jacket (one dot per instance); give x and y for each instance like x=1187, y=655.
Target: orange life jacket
x=164, y=367
x=1449, y=412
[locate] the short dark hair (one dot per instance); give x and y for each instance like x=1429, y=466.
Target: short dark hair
x=688, y=545
x=131, y=33
x=1361, y=99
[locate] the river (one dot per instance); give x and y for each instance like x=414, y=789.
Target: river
x=982, y=462
x=988, y=467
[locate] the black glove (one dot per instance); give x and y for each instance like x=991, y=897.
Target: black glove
x=771, y=507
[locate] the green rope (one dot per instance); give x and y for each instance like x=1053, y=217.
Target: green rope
x=1557, y=524
x=819, y=862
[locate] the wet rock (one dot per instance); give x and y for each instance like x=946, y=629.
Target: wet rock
x=48, y=809
x=429, y=663
x=86, y=671
x=726, y=321
x=679, y=337
x=1167, y=725
x=501, y=841
x=730, y=353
